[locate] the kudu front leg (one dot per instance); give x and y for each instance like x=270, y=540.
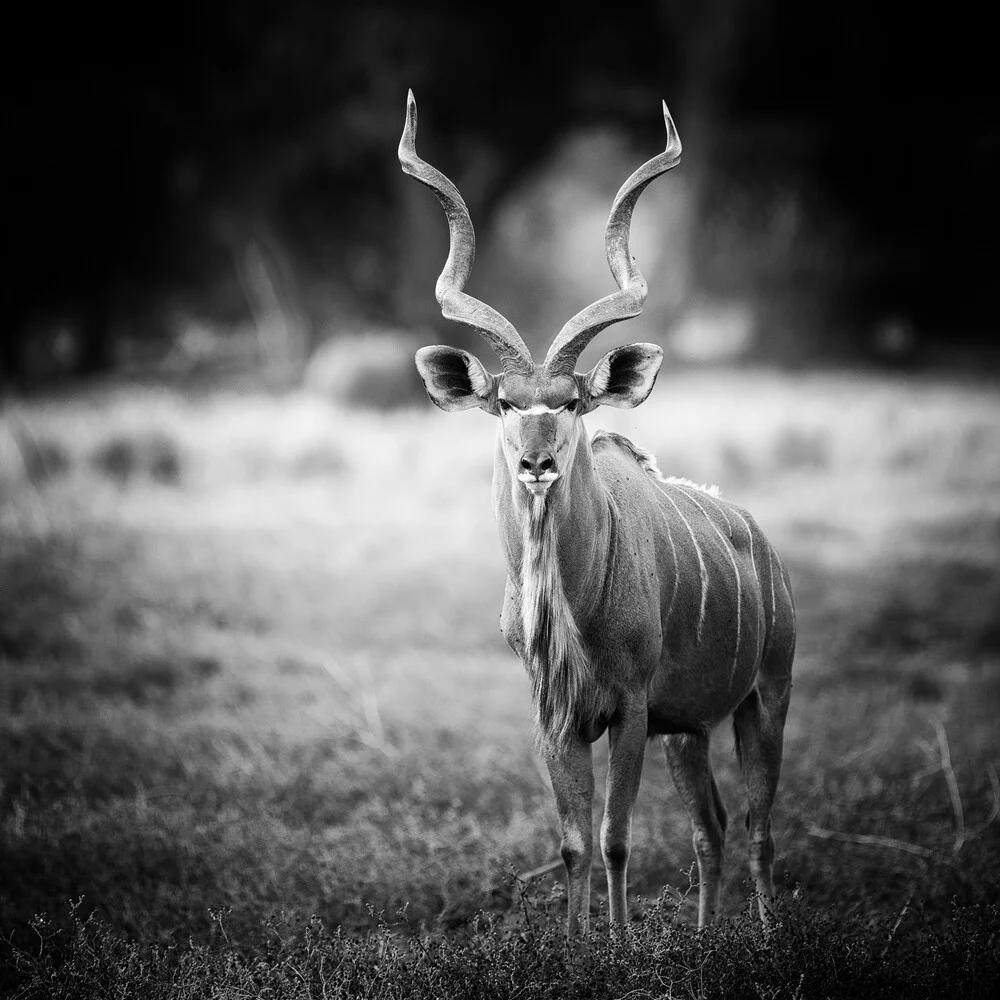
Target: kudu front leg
x=627, y=747
x=571, y=769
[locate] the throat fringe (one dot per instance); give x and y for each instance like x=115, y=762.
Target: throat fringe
x=557, y=663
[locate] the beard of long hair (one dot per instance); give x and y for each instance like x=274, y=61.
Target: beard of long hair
x=557, y=662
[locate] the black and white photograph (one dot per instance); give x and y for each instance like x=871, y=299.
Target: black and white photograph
x=500, y=501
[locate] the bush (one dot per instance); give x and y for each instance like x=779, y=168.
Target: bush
x=128, y=456
x=44, y=459
x=373, y=370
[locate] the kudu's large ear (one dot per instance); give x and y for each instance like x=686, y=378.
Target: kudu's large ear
x=623, y=377
x=455, y=379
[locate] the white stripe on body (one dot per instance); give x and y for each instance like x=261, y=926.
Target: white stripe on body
x=753, y=562
x=677, y=569
x=739, y=584
x=770, y=566
x=722, y=510
x=781, y=574
x=701, y=566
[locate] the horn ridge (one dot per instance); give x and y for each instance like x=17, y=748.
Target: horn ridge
x=456, y=304
x=628, y=301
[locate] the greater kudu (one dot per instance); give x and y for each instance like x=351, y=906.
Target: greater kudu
x=640, y=605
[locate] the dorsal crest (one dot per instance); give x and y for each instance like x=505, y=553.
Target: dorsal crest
x=647, y=462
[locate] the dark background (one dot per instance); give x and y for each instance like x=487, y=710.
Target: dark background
x=145, y=149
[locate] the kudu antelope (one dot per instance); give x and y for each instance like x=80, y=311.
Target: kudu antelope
x=640, y=605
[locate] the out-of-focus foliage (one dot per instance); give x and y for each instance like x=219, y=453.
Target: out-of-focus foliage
x=827, y=179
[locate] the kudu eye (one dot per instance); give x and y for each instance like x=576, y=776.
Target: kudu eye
x=572, y=405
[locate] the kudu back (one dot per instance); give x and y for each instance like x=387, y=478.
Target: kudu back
x=641, y=606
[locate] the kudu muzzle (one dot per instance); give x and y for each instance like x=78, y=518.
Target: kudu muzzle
x=537, y=465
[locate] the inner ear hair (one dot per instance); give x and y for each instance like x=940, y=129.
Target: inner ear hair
x=479, y=378
x=624, y=376
x=600, y=375
x=454, y=379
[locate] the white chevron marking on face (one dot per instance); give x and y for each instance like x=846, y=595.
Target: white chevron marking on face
x=531, y=411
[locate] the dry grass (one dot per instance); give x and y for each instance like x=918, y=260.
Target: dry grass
x=250, y=655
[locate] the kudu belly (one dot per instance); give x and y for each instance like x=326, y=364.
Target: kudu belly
x=712, y=648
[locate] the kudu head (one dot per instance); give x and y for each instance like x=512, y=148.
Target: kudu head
x=539, y=405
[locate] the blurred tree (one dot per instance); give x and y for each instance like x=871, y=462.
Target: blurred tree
x=148, y=151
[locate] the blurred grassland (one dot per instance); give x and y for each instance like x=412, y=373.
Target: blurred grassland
x=251, y=659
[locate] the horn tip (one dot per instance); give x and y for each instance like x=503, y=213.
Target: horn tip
x=673, y=138
x=407, y=142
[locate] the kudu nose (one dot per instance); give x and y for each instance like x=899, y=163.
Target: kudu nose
x=537, y=462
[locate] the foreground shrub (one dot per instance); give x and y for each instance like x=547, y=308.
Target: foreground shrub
x=807, y=955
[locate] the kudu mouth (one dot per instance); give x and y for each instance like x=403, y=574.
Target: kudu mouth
x=538, y=485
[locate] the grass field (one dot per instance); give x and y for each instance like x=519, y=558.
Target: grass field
x=251, y=662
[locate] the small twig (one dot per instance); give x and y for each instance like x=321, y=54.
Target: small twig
x=991, y=772
x=549, y=866
x=895, y=926
x=953, y=790
x=16, y=455
x=868, y=840
x=522, y=892
x=375, y=737
x=798, y=989
x=927, y=772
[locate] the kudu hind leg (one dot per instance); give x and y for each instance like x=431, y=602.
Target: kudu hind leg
x=571, y=769
x=687, y=758
x=759, y=730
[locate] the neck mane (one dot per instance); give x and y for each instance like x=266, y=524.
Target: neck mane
x=564, y=530
x=556, y=658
